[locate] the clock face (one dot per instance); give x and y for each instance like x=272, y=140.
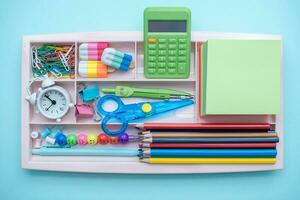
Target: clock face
x=53, y=103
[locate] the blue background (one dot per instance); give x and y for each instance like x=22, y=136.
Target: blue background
x=18, y=18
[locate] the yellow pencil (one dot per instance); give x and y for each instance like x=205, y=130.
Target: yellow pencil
x=209, y=160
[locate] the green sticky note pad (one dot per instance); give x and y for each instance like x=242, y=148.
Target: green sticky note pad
x=241, y=77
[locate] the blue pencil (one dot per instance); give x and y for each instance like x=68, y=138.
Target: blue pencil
x=44, y=151
x=210, y=140
x=211, y=153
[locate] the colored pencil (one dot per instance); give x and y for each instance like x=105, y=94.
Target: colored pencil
x=210, y=153
x=209, y=160
x=204, y=126
x=44, y=151
x=208, y=145
x=207, y=135
x=210, y=140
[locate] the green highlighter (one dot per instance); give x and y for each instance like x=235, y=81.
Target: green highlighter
x=167, y=42
x=157, y=93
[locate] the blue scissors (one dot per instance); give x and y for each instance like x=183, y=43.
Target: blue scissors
x=130, y=112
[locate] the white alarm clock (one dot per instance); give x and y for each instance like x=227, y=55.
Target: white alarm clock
x=52, y=101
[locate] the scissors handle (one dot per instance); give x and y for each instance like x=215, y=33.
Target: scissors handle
x=113, y=133
x=111, y=115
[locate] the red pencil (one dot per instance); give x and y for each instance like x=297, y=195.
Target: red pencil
x=209, y=145
x=204, y=126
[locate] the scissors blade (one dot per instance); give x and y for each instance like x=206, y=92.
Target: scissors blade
x=164, y=106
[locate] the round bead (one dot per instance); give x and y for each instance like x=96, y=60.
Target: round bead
x=82, y=139
x=146, y=107
x=92, y=138
x=103, y=138
x=124, y=138
x=61, y=139
x=34, y=134
x=71, y=139
x=114, y=140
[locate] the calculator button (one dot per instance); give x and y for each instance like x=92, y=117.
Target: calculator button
x=172, y=46
x=151, y=70
x=181, y=58
x=172, y=40
x=152, y=58
x=182, y=46
x=181, y=52
x=162, y=52
x=172, y=52
x=181, y=67
x=151, y=40
x=171, y=65
x=161, y=65
x=161, y=71
x=162, y=46
x=171, y=58
x=162, y=40
x=161, y=58
x=151, y=64
x=152, y=46
x=182, y=40
x=152, y=52
x=172, y=70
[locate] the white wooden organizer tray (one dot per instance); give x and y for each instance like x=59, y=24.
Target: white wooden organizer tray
x=130, y=42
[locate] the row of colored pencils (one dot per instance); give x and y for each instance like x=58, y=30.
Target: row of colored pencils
x=208, y=144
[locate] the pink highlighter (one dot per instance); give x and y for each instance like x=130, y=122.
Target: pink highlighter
x=92, y=50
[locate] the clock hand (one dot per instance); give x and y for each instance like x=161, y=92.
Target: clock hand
x=49, y=107
x=52, y=101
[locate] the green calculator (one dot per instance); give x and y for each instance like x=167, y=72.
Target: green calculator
x=167, y=42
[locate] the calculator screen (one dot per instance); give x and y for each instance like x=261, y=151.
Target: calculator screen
x=167, y=26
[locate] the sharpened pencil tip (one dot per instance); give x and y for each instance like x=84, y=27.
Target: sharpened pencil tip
x=139, y=126
x=149, y=140
x=145, y=160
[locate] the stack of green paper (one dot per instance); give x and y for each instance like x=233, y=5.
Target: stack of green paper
x=240, y=77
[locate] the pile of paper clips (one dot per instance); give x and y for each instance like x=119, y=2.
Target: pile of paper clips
x=53, y=60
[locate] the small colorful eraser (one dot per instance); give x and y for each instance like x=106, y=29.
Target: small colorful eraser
x=61, y=139
x=93, y=46
x=92, y=138
x=45, y=133
x=50, y=140
x=116, y=59
x=71, y=139
x=34, y=134
x=81, y=139
x=37, y=143
x=124, y=138
x=92, y=69
x=103, y=138
x=114, y=140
